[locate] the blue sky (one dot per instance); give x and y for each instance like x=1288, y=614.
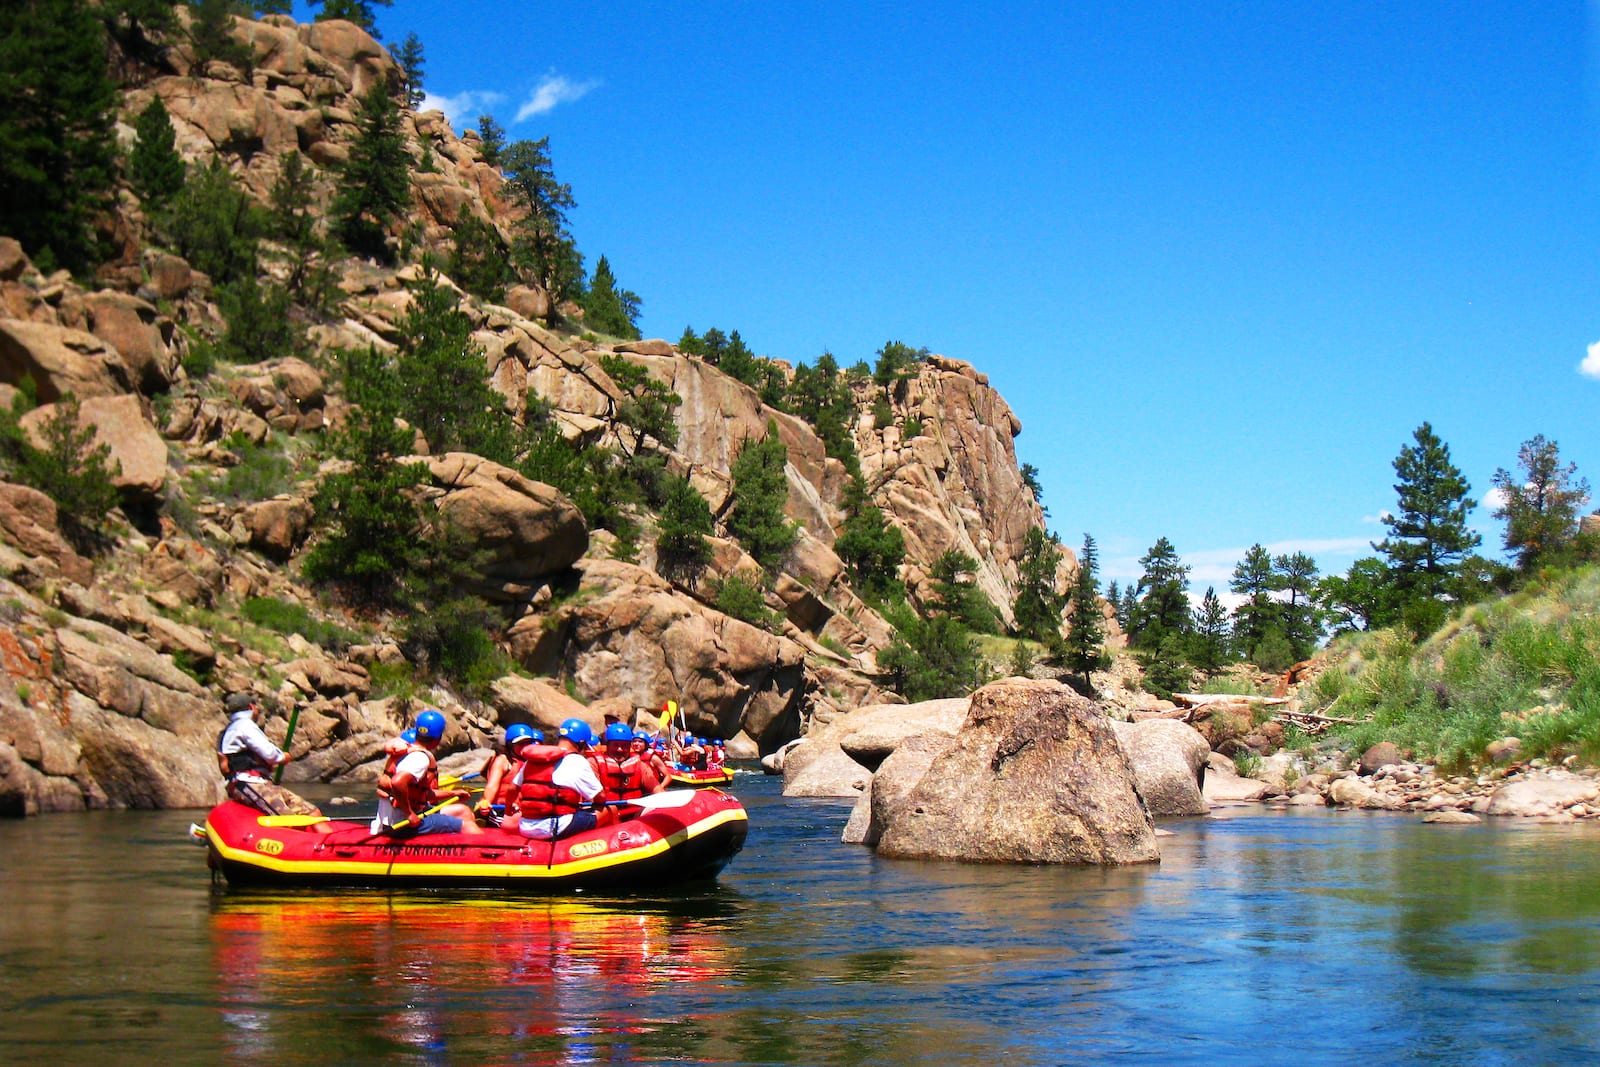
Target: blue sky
x=1221, y=259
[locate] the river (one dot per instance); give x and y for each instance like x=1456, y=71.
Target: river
x=1263, y=937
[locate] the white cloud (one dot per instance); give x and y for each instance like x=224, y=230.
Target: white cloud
x=556, y=89
x=1379, y=518
x=463, y=108
x=1494, y=499
x=1590, y=367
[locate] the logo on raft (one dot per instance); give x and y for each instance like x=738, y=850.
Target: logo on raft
x=586, y=848
x=269, y=846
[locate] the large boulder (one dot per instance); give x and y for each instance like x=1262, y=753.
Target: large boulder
x=537, y=703
x=1034, y=776
x=136, y=455
x=521, y=530
x=870, y=734
x=29, y=520
x=897, y=776
x=818, y=767
x=1169, y=764
x=131, y=326
x=1543, y=795
x=60, y=361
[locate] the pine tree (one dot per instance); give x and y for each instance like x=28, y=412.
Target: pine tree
x=1210, y=643
x=1085, y=647
x=211, y=36
x=607, y=309
x=682, y=551
x=1541, y=503
x=155, y=170
x=648, y=406
x=294, y=222
x=478, y=260
x=356, y=11
x=871, y=546
x=409, y=57
x=1039, y=604
x=760, y=491
x=1429, y=536
x=375, y=185
x=1253, y=580
x=491, y=140
x=544, y=248
x=57, y=152
x=1296, y=574
x=68, y=466
x=957, y=595
x=443, y=376
x=213, y=223
x=1162, y=609
x=1363, y=598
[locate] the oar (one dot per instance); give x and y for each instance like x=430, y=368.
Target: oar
x=288, y=736
x=457, y=779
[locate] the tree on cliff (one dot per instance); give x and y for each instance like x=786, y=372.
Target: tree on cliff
x=1540, y=503
x=375, y=184
x=442, y=376
x=1085, y=647
x=1428, y=537
x=356, y=11
x=491, y=141
x=57, y=152
x=647, y=407
x=760, y=491
x=543, y=246
x=607, y=309
x=682, y=551
x=211, y=36
x=871, y=546
x=931, y=657
x=478, y=257
x=69, y=467
x=957, y=595
x=214, y=224
x=155, y=170
x=409, y=57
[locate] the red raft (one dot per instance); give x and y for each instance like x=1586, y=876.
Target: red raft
x=711, y=776
x=678, y=836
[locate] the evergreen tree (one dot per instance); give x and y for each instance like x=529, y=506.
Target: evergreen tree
x=1428, y=537
x=1257, y=612
x=1363, y=598
x=443, y=376
x=648, y=407
x=409, y=56
x=739, y=362
x=869, y=545
x=1030, y=478
x=1210, y=643
x=1540, y=504
x=57, y=152
x=478, y=260
x=544, y=248
x=1162, y=608
x=375, y=185
x=931, y=658
x=957, y=595
x=259, y=323
x=1128, y=608
x=682, y=551
x=1296, y=574
x=896, y=363
x=1114, y=598
x=491, y=141
x=1039, y=604
x=760, y=491
x=372, y=532
x=607, y=309
x=69, y=467
x=356, y=11
x=213, y=224
x=211, y=36
x=1085, y=648
x=155, y=170
x=293, y=221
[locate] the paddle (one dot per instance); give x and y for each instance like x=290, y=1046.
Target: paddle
x=672, y=798
x=288, y=736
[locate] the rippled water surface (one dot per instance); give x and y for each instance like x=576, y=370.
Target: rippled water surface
x=1263, y=937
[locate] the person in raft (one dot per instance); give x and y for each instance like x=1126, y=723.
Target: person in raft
x=498, y=771
x=414, y=790
x=246, y=758
x=557, y=786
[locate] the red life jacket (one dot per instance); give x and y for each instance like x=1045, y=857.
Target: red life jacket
x=620, y=777
x=508, y=788
x=539, y=797
x=642, y=774
x=396, y=750
x=420, y=790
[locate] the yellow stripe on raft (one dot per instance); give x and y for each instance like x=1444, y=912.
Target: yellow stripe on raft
x=528, y=869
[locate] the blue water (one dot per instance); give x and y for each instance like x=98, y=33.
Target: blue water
x=1263, y=937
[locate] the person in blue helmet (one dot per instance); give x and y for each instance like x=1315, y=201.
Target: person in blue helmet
x=413, y=806
x=557, y=786
x=498, y=788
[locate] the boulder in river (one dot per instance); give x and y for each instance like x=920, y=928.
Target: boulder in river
x=1169, y=764
x=1035, y=775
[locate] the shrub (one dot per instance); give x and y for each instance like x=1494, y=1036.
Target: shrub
x=287, y=617
x=741, y=599
x=68, y=467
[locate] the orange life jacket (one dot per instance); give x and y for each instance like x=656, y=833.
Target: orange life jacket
x=539, y=797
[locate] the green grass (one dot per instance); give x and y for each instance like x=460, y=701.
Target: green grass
x=286, y=617
x=1527, y=665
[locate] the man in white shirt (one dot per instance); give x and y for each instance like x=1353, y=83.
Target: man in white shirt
x=246, y=757
x=413, y=791
x=555, y=794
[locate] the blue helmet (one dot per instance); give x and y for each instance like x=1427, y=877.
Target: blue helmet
x=409, y=735
x=517, y=732
x=577, y=731
x=618, y=731
x=536, y=736
x=720, y=743
x=430, y=725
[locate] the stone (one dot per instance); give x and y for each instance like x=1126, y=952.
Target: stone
x=1451, y=817
x=1541, y=796
x=820, y=768
x=1356, y=793
x=898, y=775
x=61, y=360
x=1224, y=785
x=519, y=529
x=28, y=520
x=1169, y=764
x=1035, y=775
x=1503, y=750
x=538, y=703
x=1379, y=756
x=1307, y=800
x=276, y=528
x=137, y=454
x=870, y=734
x=129, y=325
x=13, y=261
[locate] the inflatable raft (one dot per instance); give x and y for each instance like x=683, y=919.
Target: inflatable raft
x=677, y=836
x=711, y=776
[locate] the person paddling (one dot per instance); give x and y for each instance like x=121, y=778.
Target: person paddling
x=498, y=788
x=414, y=790
x=557, y=786
x=246, y=758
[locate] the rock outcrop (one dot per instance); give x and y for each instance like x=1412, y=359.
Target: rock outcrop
x=1035, y=775
x=1169, y=765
